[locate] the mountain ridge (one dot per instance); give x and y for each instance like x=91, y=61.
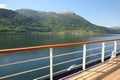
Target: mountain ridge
x=29, y=21
x=116, y=27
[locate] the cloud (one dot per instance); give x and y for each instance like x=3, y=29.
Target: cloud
x=2, y=5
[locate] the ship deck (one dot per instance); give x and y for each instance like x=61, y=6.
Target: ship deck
x=110, y=70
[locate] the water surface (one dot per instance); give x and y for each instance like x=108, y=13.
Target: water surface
x=17, y=41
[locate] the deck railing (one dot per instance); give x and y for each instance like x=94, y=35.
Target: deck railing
x=102, y=48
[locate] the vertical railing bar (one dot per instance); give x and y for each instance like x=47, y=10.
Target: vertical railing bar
x=114, y=52
x=103, y=52
x=84, y=56
x=51, y=63
x=115, y=47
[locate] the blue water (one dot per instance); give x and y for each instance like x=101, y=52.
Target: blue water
x=16, y=41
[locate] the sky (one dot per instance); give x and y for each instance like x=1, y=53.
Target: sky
x=100, y=12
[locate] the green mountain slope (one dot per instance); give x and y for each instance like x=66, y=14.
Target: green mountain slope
x=31, y=21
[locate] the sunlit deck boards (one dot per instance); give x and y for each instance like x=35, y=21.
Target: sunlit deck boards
x=109, y=70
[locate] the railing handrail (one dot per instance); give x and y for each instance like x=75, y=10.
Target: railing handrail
x=103, y=49
x=53, y=46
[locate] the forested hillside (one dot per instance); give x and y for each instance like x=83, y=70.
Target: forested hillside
x=31, y=21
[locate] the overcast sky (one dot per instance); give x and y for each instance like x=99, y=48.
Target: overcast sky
x=99, y=12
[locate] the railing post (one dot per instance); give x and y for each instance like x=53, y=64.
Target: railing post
x=103, y=52
x=115, y=50
x=51, y=63
x=84, y=56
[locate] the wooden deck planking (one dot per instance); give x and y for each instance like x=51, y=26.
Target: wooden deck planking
x=109, y=70
x=113, y=76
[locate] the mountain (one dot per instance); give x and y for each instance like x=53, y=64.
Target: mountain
x=32, y=21
x=116, y=27
x=12, y=22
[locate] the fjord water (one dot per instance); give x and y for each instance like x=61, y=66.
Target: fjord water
x=17, y=41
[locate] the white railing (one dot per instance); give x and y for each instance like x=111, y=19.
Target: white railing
x=102, y=51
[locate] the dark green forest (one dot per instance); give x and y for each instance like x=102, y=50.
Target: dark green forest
x=27, y=21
